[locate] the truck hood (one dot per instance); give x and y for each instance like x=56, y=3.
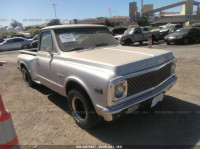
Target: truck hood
x=120, y=60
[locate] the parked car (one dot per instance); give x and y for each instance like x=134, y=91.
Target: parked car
x=17, y=35
x=168, y=29
x=138, y=34
x=4, y=37
x=118, y=31
x=14, y=44
x=34, y=42
x=23, y=35
x=1, y=39
x=184, y=35
x=100, y=78
x=35, y=38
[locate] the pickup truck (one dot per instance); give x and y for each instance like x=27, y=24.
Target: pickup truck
x=139, y=34
x=100, y=78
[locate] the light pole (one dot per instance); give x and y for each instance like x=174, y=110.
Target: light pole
x=142, y=7
x=111, y=14
x=54, y=5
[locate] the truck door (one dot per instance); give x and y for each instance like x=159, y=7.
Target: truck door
x=138, y=35
x=45, y=62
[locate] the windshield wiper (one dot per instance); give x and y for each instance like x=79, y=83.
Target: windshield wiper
x=75, y=49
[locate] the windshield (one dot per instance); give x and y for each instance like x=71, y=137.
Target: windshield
x=129, y=31
x=170, y=27
x=84, y=38
x=183, y=30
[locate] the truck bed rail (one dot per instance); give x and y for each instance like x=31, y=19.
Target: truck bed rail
x=29, y=52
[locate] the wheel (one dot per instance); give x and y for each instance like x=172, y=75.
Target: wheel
x=168, y=43
x=140, y=42
x=82, y=109
x=27, y=78
x=25, y=46
x=128, y=42
x=186, y=41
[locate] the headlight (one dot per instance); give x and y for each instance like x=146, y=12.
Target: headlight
x=119, y=90
x=173, y=68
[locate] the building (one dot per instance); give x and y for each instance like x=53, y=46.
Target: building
x=187, y=7
x=18, y=29
x=177, y=20
x=147, y=7
x=133, y=11
x=10, y=28
x=2, y=29
x=117, y=20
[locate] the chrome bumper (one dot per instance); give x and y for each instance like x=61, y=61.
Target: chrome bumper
x=109, y=112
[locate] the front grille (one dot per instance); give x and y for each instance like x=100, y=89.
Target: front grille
x=148, y=80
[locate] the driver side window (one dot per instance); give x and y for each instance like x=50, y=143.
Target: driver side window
x=46, y=43
x=137, y=31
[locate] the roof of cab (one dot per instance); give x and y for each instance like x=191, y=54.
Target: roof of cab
x=70, y=26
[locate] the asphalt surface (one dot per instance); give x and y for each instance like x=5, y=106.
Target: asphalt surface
x=41, y=116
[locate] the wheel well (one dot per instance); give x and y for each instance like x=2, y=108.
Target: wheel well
x=75, y=85
x=22, y=66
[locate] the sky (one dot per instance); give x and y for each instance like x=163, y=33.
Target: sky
x=32, y=12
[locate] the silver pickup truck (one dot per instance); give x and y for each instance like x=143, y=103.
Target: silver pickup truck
x=99, y=77
x=139, y=34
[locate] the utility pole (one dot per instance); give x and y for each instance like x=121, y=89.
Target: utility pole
x=111, y=14
x=142, y=7
x=54, y=5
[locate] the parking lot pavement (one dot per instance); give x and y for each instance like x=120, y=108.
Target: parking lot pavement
x=41, y=116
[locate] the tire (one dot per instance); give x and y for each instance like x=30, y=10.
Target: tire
x=168, y=43
x=26, y=77
x=25, y=46
x=82, y=109
x=128, y=42
x=140, y=42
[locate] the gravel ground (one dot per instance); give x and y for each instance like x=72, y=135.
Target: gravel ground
x=41, y=116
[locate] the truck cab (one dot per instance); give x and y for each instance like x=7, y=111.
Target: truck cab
x=100, y=78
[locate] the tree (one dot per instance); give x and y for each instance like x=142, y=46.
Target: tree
x=75, y=21
x=33, y=31
x=54, y=22
x=107, y=23
x=7, y=33
x=143, y=21
x=15, y=23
